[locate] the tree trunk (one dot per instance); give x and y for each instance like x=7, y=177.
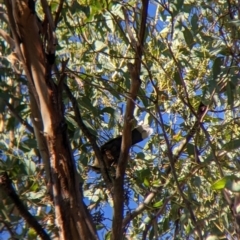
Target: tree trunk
x=71, y=215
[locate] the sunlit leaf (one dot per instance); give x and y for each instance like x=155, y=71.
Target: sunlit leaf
x=221, y=183
x=30, y=166
x=32, y=234
x=158, y=204
x=98, y=45
x=146, y=182
x=212, y=237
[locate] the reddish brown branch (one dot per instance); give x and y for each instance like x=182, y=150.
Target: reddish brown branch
x=6, y=186
x=126, y=138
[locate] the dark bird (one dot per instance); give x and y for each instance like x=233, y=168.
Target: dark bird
x=111, y=149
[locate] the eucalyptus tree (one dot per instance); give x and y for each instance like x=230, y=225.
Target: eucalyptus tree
x=76, y=74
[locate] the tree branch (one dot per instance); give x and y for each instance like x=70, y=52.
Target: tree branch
x=138, y=210
x=202, y=110
x=126, y=137
x=6, y=186
x=9, y=227
x=90, y=137
x=58, y=12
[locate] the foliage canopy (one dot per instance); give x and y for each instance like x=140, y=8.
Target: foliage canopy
x=182, y=182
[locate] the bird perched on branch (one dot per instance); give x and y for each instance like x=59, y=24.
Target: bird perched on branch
x=111, y=149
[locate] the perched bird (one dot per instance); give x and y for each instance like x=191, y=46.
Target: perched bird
x=111, y=149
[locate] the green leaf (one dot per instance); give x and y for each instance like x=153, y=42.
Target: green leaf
x=30, y=166
x=188, y=228
x=190, y=149
x=197, y=181
x=99, y=45
x=146, y=182
x=194, y=22
x=177, y=78
x=176, y=6
x=188, y=37
x=34, y=186
x=90, y=128
x=233, y=144
x=156, y=183
x=29, y=143
x=158, y=204
x=87, y=103
x=71, y=122
x=221, y=183
x=217, y=67
x=140, y=155
x=110, y=23
x=117, y=10
x=85, y=9
x=108, y=235
x=36, y=195
x=166, y=224
x=212, y=237
x=179, y=4
x=54, y=6
x=32, y=234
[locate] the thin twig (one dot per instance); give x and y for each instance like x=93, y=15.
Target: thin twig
x=139, y=209
x=173, y=158
x=159, y=212
x=18, y=117
x=58, y=12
